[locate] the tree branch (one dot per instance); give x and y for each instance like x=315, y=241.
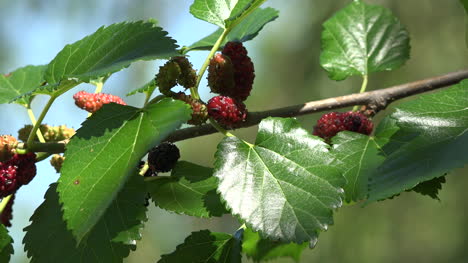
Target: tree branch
x=375, y=100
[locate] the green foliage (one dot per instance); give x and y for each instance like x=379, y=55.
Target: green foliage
x=21, y=81
x=6, y=244
x=284, y=186
x=206, y=246
x=465, y=4
x=359, y=156
x=248, y=29
x=108, y=50
x=105, y=151
x=47, y=239
x=361, y=39
x=217, y=12
x=190, y=190
x=148, y=88
x=431, y=141
x=259, y=249
x=430, y=188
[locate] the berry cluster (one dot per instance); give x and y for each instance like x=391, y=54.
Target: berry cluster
x=16, y=172
x=8, y=144
x=244, y=72
x=199, y=110
x=178, y=70
x=92, y=102
x=332, y=123
x=230, y=74
x=163, y=157
x=227, y=111
x=57, y=161
x=50, y=133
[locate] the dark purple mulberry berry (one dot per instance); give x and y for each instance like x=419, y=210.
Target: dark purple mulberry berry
x=163, y=157
x=332, y=123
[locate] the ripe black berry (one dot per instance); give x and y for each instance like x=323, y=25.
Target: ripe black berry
x=163, y=157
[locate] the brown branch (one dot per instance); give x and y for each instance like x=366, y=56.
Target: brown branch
x=375, y=100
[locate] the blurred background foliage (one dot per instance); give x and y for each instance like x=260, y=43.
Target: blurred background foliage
x=409, y=228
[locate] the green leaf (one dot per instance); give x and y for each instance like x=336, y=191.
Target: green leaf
x=6, y=244
x=18, y=86
x=216, y=12
x=109, y=50
x=148, y=88
x=260, y=249
x=248, y=29
x=359, y=156
x=206, y=246
x=285, y=185
x=190, y=190
x=105, y=151
x=361, y=39
x=431, y=141
x=465, y=5
x=47, y=238
x=430, y=188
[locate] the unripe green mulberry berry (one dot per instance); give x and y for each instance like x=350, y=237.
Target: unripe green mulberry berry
x=8, y=144
x=24, y=132
x=167, y=77
x=58, y=133
x=56, y=161
x=178, y=70
x=188, y=76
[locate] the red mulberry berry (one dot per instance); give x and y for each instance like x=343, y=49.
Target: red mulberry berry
x=7, y=213
x=8, y=144
x=199, y=110
x=17, y=171
x=26, y=167
x=332, y=123
x=163, y=157
x=227, y=111
x=221, y=75
x=8, y=179
x=92, y=102
x=244, y=72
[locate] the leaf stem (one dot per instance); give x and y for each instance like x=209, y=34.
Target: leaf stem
x=363, y=89
x=4, y=203
x=41, y=118
x=144, y=169
x=219, y=128
x=34, y=121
